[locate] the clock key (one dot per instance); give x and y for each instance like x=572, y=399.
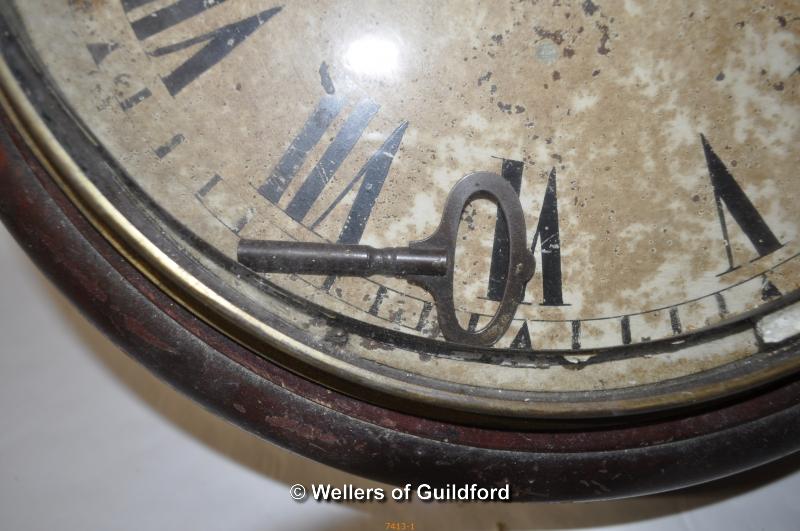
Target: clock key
x=427, y=263
x=266, y=256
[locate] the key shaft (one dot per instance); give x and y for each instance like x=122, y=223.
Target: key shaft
x=343, y=260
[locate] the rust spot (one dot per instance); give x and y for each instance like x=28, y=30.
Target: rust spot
x=603, y=49
x=556, y=36
x=589, y=7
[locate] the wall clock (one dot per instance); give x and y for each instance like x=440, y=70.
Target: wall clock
x=603, y=197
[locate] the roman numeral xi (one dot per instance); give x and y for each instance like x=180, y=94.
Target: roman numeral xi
x=218, y=43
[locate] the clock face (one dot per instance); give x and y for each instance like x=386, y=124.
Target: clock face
x=653, y=150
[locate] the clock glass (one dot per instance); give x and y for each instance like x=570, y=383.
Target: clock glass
x=652, y=150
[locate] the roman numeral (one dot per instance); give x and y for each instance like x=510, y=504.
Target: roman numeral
x=376, y=304
x=100, y=50
x=424, y=314
x=547, y=235
x=550, y=246
x=728, y=191
x=130, y=5
x=511, y=170
x=333, y=157
x=522, y=340
x=372, y=174
x=576, y=335
x=166, y=149
x=135, y=100
x=219, y=43
x=294, y=157
x=722, y=305
x=166, y=17
x=675, y=321
x=625, y=329
x=768, y=289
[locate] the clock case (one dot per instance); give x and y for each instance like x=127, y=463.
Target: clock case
x=636, y=456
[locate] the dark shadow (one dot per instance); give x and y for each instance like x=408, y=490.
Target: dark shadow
x=285, y=467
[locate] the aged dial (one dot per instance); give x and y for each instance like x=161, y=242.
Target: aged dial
x=658, y=181
x=653, y=151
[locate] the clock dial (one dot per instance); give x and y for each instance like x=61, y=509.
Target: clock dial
x=654, y=152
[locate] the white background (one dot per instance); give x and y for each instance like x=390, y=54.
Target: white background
x=90, y=440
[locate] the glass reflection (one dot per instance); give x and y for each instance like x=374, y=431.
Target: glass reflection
x=372, y=56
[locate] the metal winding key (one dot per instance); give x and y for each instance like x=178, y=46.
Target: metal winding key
x=312, y=258
x=428, y=263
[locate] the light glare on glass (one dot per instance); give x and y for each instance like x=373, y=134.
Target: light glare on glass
x=372, y=56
